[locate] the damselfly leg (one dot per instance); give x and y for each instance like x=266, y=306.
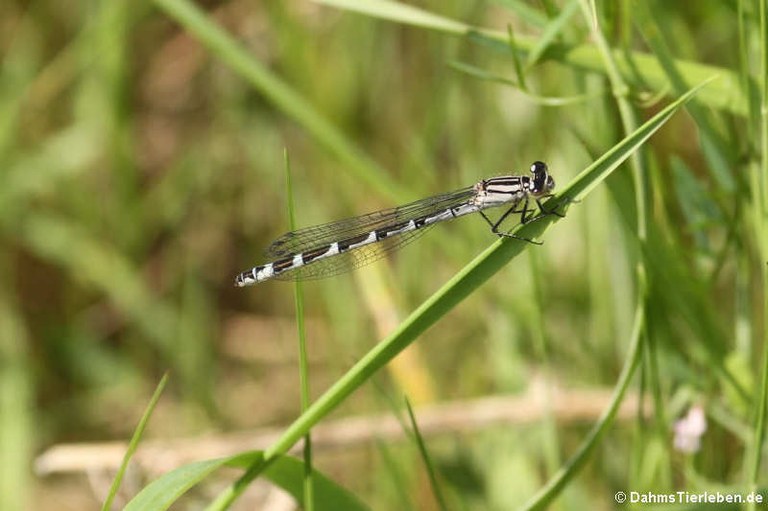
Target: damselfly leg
x=525, y=217
x=523, y=211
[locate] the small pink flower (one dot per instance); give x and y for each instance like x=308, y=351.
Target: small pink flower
x=689, y=429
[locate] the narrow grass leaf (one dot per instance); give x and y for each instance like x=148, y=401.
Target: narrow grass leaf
x=134, y=443
x=161, y=493
x=759, y=179
x=551, y=31
x=558, y=482
x=289, y=473
x=285, y=472
x=308, y=500
x=592, y=176
x=401, y=12
x=436, y=490
x=482, y=74
x=517, y=63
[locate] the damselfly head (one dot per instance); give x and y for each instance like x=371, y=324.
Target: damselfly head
x=542, y=181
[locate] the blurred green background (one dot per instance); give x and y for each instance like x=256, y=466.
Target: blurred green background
x=141, y=168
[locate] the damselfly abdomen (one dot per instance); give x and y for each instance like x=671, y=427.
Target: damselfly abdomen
x=336, y=247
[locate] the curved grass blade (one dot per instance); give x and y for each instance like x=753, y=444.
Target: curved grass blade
x=163, y=492
x=550, y=33
x=286, y=472
x=557, y=483
x=134, y=443
x=482, y=268
x=726, y=94
x=482, y=74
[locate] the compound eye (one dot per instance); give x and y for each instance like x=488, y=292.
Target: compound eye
x=538, y=167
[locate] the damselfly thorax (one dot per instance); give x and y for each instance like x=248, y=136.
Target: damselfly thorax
x=337, y=247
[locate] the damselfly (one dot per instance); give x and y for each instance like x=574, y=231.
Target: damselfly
x=336, y=247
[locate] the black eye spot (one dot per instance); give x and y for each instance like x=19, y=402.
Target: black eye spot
x=538, y=167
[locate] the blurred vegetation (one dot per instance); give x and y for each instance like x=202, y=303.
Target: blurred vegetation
x=141, y=148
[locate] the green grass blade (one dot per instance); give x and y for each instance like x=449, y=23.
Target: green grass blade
x=436, y=490
x=726, y=94
x=308, y=502
x=164, y=491
x=517, y=63
x=482, y=268
x=551, y=32
x=285, y=472
x=402, y=13
x=288, y=474
x=555, y=485
x=760, y=206
x=134, y=443
x=482, y=74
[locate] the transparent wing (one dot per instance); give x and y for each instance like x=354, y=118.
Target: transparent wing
x=348, y=261
x=325, y=234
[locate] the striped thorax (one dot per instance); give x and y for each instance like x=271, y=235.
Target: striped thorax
x=501, y=190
